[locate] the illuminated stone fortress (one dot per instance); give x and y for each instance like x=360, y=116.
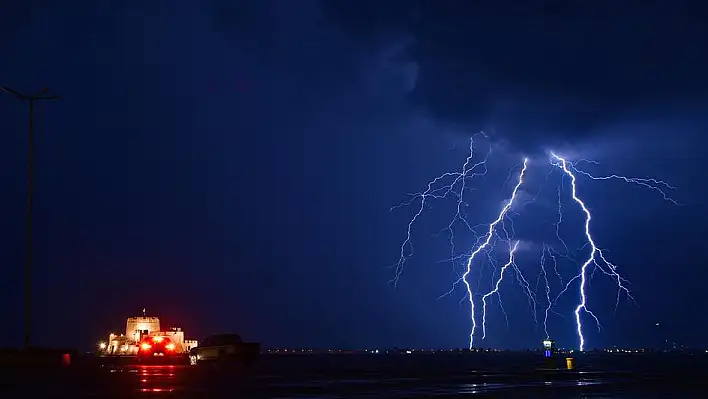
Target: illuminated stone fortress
x=137, y=329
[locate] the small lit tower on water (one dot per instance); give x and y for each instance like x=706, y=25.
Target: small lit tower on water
x=549, y=348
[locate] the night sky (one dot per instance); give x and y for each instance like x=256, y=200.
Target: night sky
x=230, y=165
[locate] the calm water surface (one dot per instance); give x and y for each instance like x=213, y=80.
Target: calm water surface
x=376, y=376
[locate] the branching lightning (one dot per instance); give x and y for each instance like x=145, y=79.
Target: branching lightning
x=595, y=254
x=512, y=251
x=547, y=287
x=486, y=243
x=501, y=229
x=437, y=190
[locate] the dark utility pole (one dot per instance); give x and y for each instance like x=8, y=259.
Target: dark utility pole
x=42, y=95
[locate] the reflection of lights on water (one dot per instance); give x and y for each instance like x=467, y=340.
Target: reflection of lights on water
x=584, y=383
x=156, y=389
x=472, y=389
x=156, y=378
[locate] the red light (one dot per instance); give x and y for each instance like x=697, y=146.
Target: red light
x=145, y=346
x=157, y=339
x=170, y=347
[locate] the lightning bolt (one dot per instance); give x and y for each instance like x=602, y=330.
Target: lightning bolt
x=485, y=242
x=547, y=290
x=501, y=229
x=595, y=255
x=652, y=184
x=512, y=251
x=437, y=190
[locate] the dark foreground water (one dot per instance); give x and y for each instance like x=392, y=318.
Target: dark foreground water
x=375, y=376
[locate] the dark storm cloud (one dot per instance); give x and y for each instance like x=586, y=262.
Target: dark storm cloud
x=533, y=77
x=541, y=73
x=300, y=54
